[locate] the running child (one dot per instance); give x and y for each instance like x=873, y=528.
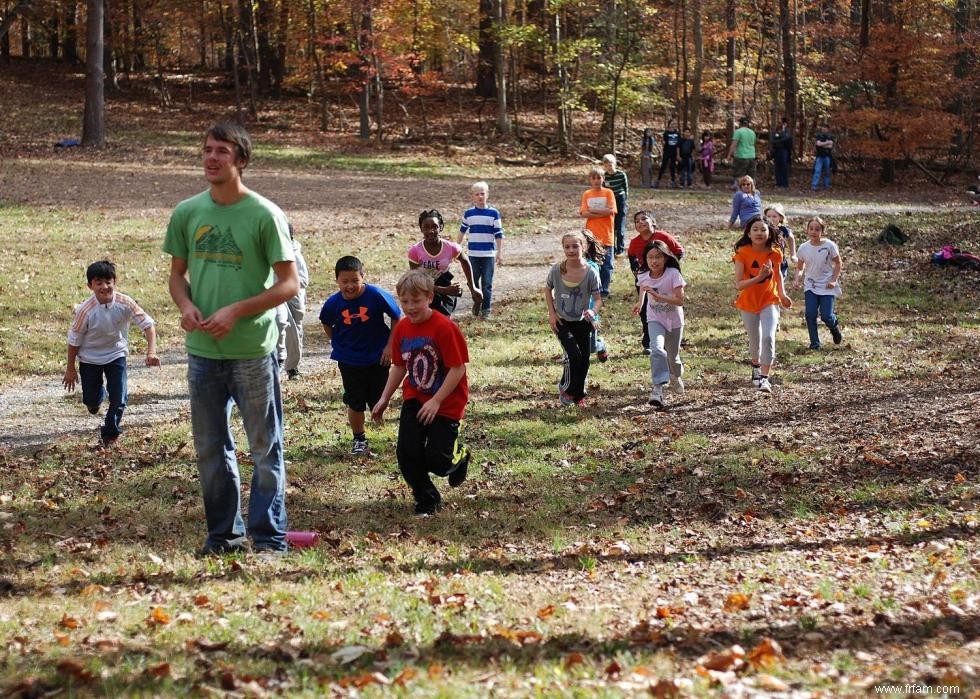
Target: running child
x=819, y=268
x=598, y=208
x=787, y=241
x=429, y=352
x=746, y=202
x=645, y=225
x=662, y=294
x=434, y=255
x=485, y=244
x=354, y=320
x=99, y=340
x=569, y=287
x=760, y=294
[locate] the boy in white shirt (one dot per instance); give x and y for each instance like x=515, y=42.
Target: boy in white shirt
x=99, y=339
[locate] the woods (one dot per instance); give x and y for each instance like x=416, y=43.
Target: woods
x=898, y=76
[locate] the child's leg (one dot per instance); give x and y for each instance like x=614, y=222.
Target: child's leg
x=92, y=391
x=619, y=225
x=769, y=321
x=606, y=272
x=751, y=322
x=827, y=310
x=116, y=385
x=294, y=331
x=486, y=281
x=412, y=438
x=672, y=343
x=659, y=373
x=574, y=337
x=645, y=340
x=811, y=303
x=444, y=451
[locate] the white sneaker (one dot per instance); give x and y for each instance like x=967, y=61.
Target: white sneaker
x=764, y=384
x=677, y=385
x=657, y=396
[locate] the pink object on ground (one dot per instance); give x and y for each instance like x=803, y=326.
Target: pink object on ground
x=302, y=540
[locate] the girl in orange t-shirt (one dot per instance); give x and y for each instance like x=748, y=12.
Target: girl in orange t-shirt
x=760, y=294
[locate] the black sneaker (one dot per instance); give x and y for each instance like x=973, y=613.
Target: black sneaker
x=292, y=374
x=427, y=509
x=360, y=447
x=458, y=474
x=93, y=409
x=838, y=338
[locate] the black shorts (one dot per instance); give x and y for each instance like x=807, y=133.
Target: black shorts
x=363, y=385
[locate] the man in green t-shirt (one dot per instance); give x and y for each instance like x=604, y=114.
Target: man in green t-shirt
x=231, y=264
x=742, y=150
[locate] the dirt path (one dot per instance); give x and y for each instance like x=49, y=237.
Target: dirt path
x=36, y=413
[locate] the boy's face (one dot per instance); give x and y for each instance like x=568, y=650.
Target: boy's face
x=608, y=166
x=351, y=284
x=416, y=306
x=480, y=197
x=221, y=162
x=595, y=179
x=642, y=223
x=104, y=289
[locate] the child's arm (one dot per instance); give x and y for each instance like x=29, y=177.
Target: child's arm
x=675, y=299
x=475, y=292
x=792, y=246
x=553, y=320
x=327, y=331
x=71, y=373
x=500, y=251
x=838, y=263
x=395, y=376
x=639, y=304
x=427, y=413
x=735, y=204
x=783, y=298
x=151, y=346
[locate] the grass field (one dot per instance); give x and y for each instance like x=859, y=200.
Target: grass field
x=822, y=541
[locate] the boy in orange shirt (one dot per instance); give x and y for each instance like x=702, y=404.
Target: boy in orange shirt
x=598, y=208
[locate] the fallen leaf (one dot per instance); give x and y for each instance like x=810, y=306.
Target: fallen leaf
x=159, y=671
x=158, y=617
x=405, y=676
x=545, y=612
x=348, y=654
x=736, y=601
x=725, y=660
x=69, y=622
x=74, y=668
x=574, y=658
x=771, y=684
x=613, y=669
x=766, y=654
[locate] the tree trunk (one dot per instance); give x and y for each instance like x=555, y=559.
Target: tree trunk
x=70, y=44
x=561, y=75
x=282, y=38
x=108, y=51
x=54, y=45
x=93, y=128
x=26, y=38
x=730, y=64
x=139, y=57
x=486, y=66
x=247, y=53
x=698, y=69
x=788, y=41
x=8, y=19
x=364, y=43
x=264, y=55
x=500, y=68
x=685, y=98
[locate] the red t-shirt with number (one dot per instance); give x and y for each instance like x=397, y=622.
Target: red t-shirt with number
x=428, y=350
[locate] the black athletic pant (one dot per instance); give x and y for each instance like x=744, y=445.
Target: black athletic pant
x=424, y=449
x=670, y=158
x=574, y=336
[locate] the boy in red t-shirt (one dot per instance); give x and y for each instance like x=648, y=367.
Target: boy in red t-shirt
x=645, y=225
x=429, y=352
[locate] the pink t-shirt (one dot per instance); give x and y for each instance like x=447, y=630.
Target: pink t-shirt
x=434, y=264
x=667, y=314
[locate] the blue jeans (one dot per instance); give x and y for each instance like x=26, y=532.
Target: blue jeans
x=782, y=167
x=253, y=385
x=605, y=272
x=824, y=303
x=821, y=169
x=93, y=392
x=483, y=269
x=619, y=224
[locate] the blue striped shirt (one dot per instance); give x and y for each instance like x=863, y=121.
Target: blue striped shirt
x=483, y=227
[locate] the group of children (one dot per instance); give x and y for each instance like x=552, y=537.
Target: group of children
x=380, y=343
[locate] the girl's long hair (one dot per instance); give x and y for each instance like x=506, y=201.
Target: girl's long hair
x=745, y=240
x=669, y=259
x=594, y=250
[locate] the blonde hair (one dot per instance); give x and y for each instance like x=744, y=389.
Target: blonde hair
x=778, y=208
x=609, y=158
x=481, y=185
x=416, y=281
x=596, y=170
x=745, y=178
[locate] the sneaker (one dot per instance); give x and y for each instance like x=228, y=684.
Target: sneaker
x=602, y=355
x=427, y=509
x=565, y=399
x=458, y=475
x=677, y=385
x=485, y=313
x=93, y=409
x=814, y=347
x=647, y=351
x=581, y=403
x=657, y=396
x=292, y=374
x=360, y=447
x=756, y=375
x=764, y=384
x=109, y=442
x=835, y=331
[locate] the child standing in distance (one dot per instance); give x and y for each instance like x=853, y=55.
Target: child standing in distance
x=99, y=340
x=686, y=151
x=760, y=295
x=598, y=208
x=569, y=286
x=485, y=245
x=662, y=293
x=615, y=179
x=746, y=202
x=819, y=269
x=707, y=157
x=645, y=225
x=787, y=242
x=434, y=255
x=289, y=316
x=430, y=354
x=354, y=320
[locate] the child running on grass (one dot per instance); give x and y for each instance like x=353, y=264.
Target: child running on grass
x=598, y=208
x=746, y=202
x=760, y=295
x=819, y=268
x=434, y=255
x=662, y=294
x=354, y=320
x=645, y=225
x=569, y=287
x=429, y=352
x=99, y=340
x=485, y=244
x=787, y=242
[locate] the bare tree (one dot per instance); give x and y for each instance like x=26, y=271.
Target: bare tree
x=93, y=127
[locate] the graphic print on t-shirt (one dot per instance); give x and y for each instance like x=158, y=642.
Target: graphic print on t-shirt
x=570, y=302
x=214, y=245
x=361, y=315
x=422, y=364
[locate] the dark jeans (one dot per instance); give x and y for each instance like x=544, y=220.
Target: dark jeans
x=424, y=449
x=483, y=269
x=824, y=303
x=782, y=167
x=645, y=341
x=93, y=392
x=670, y=158
x=687, y=171
x=575, y=337
x=619, y=224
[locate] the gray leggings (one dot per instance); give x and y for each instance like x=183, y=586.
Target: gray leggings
x=665, y=348
x=761, y=328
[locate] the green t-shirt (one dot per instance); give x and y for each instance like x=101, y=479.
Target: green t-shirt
x=744, y=138
x=230, y=251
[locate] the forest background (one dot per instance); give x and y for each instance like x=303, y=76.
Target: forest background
x=896, y=77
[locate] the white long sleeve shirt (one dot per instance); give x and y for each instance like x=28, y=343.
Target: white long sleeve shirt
x=101, y=331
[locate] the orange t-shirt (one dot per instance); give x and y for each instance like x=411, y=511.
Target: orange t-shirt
x=752, y=299
x=601, y=227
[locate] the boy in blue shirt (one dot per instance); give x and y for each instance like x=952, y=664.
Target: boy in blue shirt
x=353, y=319
x=485, y=246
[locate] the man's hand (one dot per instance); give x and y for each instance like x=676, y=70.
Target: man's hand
x=191, y=319
x=70, y=379
x=221, y=322
x=152, y=360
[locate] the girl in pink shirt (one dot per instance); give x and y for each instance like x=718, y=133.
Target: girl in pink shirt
x=434, y=255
